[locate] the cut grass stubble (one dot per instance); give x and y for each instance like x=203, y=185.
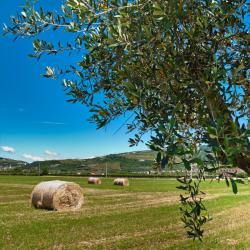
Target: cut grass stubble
x=144, y=215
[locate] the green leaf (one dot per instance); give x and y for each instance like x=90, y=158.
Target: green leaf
x=158, y=157
x=198, y=161
x=158, y=13
x=164, y=161
x=234, y=186
x=23, y=14
x=187, y=164
x=49, y=72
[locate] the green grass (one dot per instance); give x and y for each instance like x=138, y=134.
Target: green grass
x=144, y=215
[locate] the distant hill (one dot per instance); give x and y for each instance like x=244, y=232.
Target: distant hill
x=10, y=163
x=130, y=162
x=139, y=161
x=140, y=155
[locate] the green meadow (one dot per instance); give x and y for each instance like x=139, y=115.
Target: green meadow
x=144, y=215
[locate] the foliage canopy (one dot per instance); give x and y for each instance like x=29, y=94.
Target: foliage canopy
x=177, y=69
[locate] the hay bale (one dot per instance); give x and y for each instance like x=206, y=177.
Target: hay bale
x=94, y=180
x=57, y=195
x=121, y=182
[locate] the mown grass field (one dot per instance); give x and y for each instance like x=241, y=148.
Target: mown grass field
x=144, y=215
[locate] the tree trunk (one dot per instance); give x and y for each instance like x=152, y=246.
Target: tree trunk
x=243, y=162
x=218, y=108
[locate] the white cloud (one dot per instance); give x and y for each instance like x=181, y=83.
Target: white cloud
x=33, y=157
x=8, y=149
x=50, y=153
x=90, y=157
x=53, y=123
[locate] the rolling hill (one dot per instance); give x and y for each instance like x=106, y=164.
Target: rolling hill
x=129, y=162
x=139, y=161
x=10, y=163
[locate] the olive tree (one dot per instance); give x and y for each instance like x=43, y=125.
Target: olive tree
x=177, y=69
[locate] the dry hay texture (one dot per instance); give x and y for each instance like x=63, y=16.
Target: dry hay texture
x=121, y=182
x=94, y=180
x=57, y=195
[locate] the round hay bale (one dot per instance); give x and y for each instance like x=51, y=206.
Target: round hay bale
x=94, y=180
x=57, y=195
x=121, y=181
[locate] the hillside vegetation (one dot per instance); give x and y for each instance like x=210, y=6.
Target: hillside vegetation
x=11, y=162
x=137, y=162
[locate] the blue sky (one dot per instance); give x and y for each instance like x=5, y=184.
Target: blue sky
x=36, y=122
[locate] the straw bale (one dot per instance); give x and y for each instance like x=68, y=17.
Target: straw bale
x=57, y=195
x=121, y=181
x=94, y=180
